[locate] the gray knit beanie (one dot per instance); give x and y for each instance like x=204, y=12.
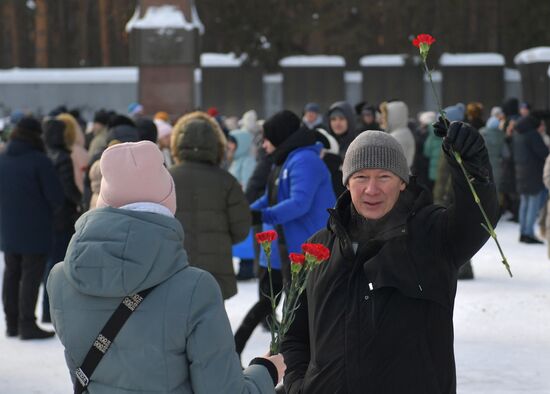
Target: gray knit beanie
x=375, y=149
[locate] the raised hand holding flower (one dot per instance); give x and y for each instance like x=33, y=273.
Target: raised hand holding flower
x=424, y=42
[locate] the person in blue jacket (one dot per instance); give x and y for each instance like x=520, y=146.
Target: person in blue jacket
x=298, y=193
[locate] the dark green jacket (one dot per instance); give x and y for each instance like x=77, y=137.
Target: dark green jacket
x=211, y=205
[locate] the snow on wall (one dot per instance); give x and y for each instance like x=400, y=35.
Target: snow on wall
x=197, y=75
x=353, y=76
x=69, y=75
x=511, y=74
x=382, y=60
x=273, y=78
x=313, y=61
x=222, y=60
x=436, y=77
x=471, y=59
x=164, y=17
x=533, y=55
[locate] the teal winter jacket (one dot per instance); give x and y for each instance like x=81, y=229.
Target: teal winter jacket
x=179, y=339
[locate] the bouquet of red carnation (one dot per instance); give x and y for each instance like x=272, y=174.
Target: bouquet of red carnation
x=301, y=266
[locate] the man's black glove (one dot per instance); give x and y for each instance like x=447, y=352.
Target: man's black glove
x=466, y=141
x=256, y=217
x=441, y=127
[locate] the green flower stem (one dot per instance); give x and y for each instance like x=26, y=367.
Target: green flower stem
x=297, y=287
x=272, y=347
x=487, y=225
x=440, y=109
x=287, y=311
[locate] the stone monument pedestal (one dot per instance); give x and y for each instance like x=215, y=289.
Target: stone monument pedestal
x=164, y=44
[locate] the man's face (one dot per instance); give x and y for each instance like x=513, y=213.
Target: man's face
x=311, y=116
x=524, y=111
x=268, y=146
x=338, y=124
x=374, y=192
x=368, y=118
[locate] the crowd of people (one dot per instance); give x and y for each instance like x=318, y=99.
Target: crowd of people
x=131, y=204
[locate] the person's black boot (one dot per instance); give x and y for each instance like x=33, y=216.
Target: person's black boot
x=466, y=271
x=531, y=240
x=32, y=331
x=246, y=270
x=12, y=330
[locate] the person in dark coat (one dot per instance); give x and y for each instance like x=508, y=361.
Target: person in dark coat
x=332, y=159
x=212, y=207
x=255, y=188
x=341, y=124
x=66, y=216
x=30, y=192
x=147, y=130
x=377, y=317
x=367, y=120
x=510, y=197
x=530, y=153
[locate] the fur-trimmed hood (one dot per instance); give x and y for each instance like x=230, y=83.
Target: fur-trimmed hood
x=198, y=137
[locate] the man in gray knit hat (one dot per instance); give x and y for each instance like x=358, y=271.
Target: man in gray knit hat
x=375, y=160
x=378, y=316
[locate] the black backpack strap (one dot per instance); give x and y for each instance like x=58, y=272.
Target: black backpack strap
x=103, y=341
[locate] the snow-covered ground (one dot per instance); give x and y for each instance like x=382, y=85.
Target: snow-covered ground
x=502, y=329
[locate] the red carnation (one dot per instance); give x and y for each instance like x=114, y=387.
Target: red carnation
x=319, y=251
x=266, y=236
x=423, y=39
x=297, y=258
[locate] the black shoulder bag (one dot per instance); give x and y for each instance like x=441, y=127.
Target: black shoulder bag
x=103, y=341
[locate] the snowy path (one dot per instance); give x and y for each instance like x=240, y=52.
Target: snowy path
x=502, y=329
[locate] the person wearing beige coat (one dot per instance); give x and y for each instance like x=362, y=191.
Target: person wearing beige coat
x=74, y=139
x=95, y=183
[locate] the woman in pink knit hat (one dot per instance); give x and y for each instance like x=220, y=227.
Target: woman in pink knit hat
x=178, y=339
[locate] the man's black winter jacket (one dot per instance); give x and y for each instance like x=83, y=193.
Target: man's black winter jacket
x=379, y=320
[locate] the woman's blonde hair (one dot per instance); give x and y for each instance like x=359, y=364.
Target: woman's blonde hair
x=73, y=131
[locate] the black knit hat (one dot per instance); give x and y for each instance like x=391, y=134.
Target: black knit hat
x=28, y=123
x=102, y=117
x=147, y=130
x=280, y=126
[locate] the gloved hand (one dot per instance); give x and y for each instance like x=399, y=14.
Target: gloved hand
x=466, y=140
x=256, y=217
x=441, y=127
